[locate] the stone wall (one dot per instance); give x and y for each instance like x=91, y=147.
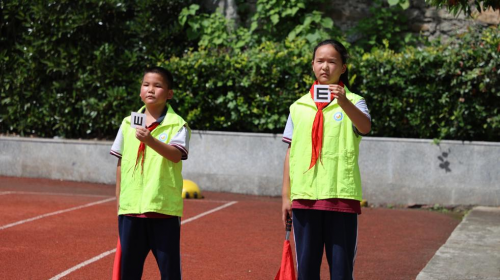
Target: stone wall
x=434, y=22
x=423, y=19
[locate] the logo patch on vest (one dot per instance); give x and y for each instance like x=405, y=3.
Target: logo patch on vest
x=163, y=137
x=338, y=116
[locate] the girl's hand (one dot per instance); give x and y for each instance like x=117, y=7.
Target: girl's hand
x=338, y=92
x=286, y=210
x=143, y=135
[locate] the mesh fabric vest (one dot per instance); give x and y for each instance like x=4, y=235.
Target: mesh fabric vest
x=159, y=188
x=336, y=174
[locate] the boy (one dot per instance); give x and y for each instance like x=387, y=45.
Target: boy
x=149, y=180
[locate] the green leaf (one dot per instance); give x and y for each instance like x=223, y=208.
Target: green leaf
x=405, y=4
x=275, y=19
x=253, y=26
x=313, y=38
x=393, y=2
x=327, y=23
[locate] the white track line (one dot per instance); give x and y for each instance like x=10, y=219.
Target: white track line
x=205, y=200
x=56, y=213
x=208, y=212
x=85, y=263
x=96, y=258
x=1, y=193
x=59, y=194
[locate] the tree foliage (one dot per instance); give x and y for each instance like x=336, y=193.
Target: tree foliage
x=386, y=23
x=273, y=21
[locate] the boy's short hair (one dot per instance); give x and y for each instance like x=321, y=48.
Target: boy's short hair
x=167, y=76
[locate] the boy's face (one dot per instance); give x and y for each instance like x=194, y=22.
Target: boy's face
x=154, y=90
x=327, y=65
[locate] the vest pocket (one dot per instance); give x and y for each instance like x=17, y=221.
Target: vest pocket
x=346, y=172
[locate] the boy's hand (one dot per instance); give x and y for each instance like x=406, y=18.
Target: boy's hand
x=143, y=135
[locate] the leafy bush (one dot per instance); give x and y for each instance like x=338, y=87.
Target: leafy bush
x=386, y=23
x=273, y=21
x=443, y=91
x=241, y=91
x=72, y=68
x=244, y=78
x=277, y=20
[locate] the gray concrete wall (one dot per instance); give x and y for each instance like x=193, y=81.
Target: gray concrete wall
x=417, y=171
x=394, y=171
x=87, y=161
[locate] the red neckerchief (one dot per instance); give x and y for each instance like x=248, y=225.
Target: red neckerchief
x=317, y=129
x=142, y=148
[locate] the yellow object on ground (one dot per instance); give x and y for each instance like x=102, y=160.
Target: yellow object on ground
x=190, y=190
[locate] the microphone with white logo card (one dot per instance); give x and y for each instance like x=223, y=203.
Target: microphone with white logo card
x=137, y=119
x=322, y=94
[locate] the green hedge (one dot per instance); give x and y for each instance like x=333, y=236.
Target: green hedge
x=240, y=91
x=444, y=91
x=72, y=68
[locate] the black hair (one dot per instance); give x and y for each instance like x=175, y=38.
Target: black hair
x=166, y=75
x=343, y=55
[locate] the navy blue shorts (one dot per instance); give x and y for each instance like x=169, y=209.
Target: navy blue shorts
x=138, y=236
x=334, y=232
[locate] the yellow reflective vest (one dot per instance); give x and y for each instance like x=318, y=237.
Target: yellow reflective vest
x=159, y=188
x=337, y=174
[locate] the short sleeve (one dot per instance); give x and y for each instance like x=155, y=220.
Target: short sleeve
x=287, y=134
x=117, y=147
x=361, y=105
x=181, y=142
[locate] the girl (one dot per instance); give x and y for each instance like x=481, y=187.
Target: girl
x=321, y=179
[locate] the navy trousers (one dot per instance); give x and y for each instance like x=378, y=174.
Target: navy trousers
x=138, y=236
x=334, y=232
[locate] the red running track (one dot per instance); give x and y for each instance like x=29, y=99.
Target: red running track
x=67, y=230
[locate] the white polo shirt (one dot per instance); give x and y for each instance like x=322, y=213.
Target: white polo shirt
x=180, y=141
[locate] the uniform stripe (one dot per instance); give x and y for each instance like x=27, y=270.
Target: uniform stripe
x=183, y=150
x=296, y=259
x=116, y=154
x=355, y=247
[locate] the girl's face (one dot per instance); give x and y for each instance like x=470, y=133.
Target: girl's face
x=154, y=90
x=327, y=65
